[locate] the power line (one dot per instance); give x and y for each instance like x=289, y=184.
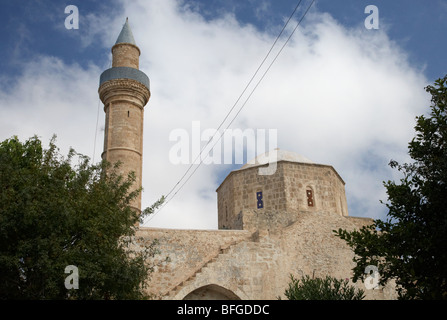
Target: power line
x=234, y=105
x=240, y=96
x=243, y=105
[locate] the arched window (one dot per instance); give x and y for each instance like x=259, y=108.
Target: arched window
x=310, y=197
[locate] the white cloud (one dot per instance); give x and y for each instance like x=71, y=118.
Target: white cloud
x=344, y=97
x=49, y=98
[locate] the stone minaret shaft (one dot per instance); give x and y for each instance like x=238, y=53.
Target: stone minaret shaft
x=124, y=90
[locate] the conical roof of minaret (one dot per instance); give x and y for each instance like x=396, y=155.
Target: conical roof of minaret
x=126, y=35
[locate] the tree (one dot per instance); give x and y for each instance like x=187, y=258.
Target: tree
x=411, y=245
x=53, y=215
x=329, y=288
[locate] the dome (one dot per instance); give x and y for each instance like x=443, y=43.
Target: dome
x=281, y=155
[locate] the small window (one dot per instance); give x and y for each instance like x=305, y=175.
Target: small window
x=260, y=202
x=128, y=114
x=310, y=197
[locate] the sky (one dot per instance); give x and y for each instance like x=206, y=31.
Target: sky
x=340, y=92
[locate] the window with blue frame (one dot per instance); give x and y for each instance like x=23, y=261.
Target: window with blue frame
x=260, y=201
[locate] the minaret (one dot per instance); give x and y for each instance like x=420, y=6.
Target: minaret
x=124, y=90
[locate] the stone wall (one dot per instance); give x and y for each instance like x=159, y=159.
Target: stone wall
x=249, y=264
x=327, y=187
x=185, y=252
x=267, y=221
x=255, y=259
x=285, y=190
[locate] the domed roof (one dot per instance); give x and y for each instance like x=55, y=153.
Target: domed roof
x=275, y=156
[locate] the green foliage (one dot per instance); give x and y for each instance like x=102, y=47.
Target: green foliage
x=53, y=215
x=411, y=246
x=329, y=288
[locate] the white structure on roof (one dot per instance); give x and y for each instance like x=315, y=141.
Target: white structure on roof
x=276, y=155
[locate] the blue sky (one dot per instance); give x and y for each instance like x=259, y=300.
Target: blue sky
x=37, y=27
x=339, y=94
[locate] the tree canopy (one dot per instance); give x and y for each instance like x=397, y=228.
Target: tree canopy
x=411, y=245
x=328, y=288
x=54, y=214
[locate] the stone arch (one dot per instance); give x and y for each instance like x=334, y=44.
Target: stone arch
x=211, y=292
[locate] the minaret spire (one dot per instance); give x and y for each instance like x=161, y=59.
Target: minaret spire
x=126, y=35
x=124, y=90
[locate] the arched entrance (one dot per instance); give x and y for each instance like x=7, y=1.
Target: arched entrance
x=211, y=292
